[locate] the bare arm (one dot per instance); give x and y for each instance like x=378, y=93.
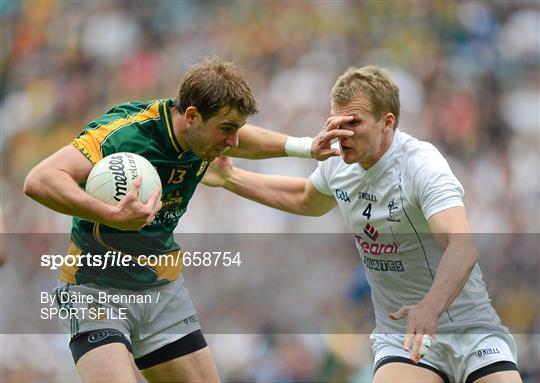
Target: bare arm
x=258, y=143
x=290, y=194
x=452, y=230
x=54, y=183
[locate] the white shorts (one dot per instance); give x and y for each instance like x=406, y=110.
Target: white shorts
x=166, y=315
x=455, y=355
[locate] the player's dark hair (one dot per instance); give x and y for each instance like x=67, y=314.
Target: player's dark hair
x=370, y=81
x=212, y=84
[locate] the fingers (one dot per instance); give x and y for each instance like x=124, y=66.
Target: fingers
x=412, y=340
x=408, y=340
x=421, y=344
x=221, y=163
x=326, y=137
x=154, y=204
x=335, y=121
x=416, y=343
x=338, y=133
x=154, y=201
x=425, y=344
x=150, y=219
x=327, y=153
x=401, y=313
x=136, y=185
x=322, y=144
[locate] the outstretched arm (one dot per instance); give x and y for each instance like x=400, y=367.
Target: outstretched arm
x=258, y=143
x=290, y=194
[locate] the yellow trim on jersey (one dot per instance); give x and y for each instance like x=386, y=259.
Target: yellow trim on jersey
x=171, y=268
x=90, y=143
x=165, y=271
x=170, y=131
x=97, y=237
x=67, y=273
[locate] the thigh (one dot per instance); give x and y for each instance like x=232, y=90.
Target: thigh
x=195, y=367
x=84, y=311
x=501, y=377
x=388, y=350
x=405, y=373
x=108, y=363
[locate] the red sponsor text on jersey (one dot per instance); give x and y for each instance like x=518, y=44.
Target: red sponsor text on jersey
x=377, y=248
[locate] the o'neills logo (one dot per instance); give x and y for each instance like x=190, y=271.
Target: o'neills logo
x=488, y=351
x=118, y=170
x=377, y=248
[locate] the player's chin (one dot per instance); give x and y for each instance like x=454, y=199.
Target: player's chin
x=348, y=157
x=209, y=157
x=212, y=155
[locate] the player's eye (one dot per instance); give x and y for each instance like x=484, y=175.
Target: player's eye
x=227, y=129
x=350, y=124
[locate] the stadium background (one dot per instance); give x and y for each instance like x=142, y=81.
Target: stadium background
x=469, y=79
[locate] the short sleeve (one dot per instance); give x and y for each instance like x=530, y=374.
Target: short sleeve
x=435, y=185
x=89, y=144
x=319, y=179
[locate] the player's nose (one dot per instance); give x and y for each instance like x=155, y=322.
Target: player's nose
x=232, y=140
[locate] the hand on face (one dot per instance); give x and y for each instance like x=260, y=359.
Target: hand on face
x=372, y=135
x=321, y=148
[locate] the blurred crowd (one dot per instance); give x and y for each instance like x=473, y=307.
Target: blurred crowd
x=468, y=73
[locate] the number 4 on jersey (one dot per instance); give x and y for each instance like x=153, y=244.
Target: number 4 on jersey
x=367, y=211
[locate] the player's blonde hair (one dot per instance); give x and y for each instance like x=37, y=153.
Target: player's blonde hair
x=212, y=84
x=370, y=81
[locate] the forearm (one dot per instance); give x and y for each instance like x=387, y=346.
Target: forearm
x=280, y=192
x=258, y=143
x=453, y=272
x=56, y=189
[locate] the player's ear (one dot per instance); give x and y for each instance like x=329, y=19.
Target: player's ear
x=191, y=114
x=389, y=121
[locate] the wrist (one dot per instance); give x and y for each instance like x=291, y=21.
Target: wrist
x=435, y=305
x=106, y=213
x=233, y=179
x=299, y=147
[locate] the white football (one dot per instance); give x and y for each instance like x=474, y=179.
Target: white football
x=111, y=178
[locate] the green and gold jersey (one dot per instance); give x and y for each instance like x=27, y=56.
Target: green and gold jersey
x=145, y=129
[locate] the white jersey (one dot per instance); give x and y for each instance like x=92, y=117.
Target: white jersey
x=387, y=208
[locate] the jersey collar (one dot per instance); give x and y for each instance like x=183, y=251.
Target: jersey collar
x=167, y=125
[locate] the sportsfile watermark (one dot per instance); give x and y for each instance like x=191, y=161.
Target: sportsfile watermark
x=119, y=259
x=93, y=306
x=291, y=283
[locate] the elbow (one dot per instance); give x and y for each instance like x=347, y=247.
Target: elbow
x=475, y=255
x=30, y=186
x=311, y=211
x=472, y=254
x=316, y=213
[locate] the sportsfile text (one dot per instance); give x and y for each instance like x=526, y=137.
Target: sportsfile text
x=114, y=258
